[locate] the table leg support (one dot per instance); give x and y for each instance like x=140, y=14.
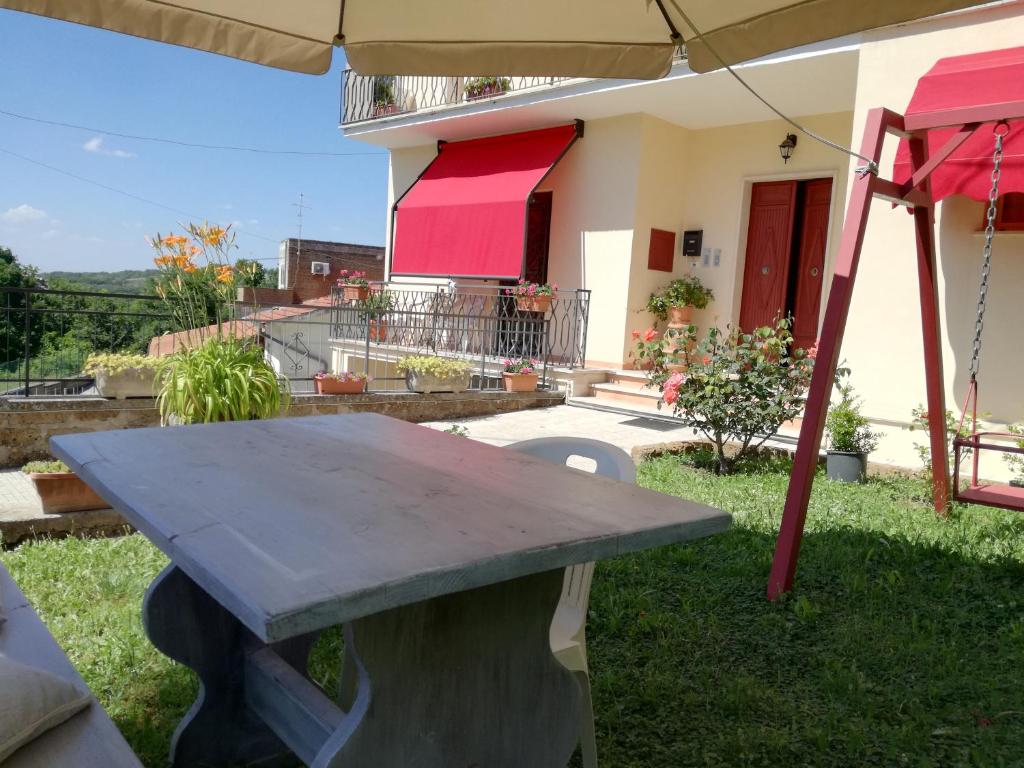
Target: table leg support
x=466, y=679
x=192, y=628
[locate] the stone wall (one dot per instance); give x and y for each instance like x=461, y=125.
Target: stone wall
x=27, y=423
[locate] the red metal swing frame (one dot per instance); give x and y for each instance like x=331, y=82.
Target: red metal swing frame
x=915, y=194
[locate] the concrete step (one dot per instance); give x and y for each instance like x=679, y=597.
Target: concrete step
x=626, y=394
x=633, y=379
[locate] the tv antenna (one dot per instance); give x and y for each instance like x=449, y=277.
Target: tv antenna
x=302, y=207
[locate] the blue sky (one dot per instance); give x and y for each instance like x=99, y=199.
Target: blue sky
x=73, y=74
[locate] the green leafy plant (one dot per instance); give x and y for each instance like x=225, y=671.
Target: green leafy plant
x=683, y=292
x=740, y=388
x=383, y=91
x=51, y=467
x=222, y=380
x=920, y=423
x=486, y=86
x=457, y=429
x=430, y=365
x=378, y=303
x=656, y=352
x=848, y=431
x=1016, y=460
x=117, y=362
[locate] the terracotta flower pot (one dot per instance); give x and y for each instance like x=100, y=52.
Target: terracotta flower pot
x=355, y=292
x=65, y=492
x=378, y=330
x=540, y=303
x=520, y=382
x=679, y=316
x=329, y=386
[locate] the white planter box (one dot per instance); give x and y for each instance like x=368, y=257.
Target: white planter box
x=418, y=382
x=131, y=382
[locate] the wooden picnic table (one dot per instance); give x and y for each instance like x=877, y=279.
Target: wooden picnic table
x=442, y=556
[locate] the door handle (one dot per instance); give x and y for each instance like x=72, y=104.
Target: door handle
x=814, y=271
x=765, y=270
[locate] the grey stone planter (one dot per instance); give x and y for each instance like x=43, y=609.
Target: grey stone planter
x=419, y=382
x=846, y=467
x=132, y=382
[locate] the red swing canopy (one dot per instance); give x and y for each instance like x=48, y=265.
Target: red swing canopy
x=963, y=82
x=466, y=214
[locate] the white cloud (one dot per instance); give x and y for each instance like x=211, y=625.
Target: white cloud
x=49, y=234
x=95, y=145
x=22, y=213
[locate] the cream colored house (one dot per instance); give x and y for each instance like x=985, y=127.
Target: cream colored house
x=699, y=153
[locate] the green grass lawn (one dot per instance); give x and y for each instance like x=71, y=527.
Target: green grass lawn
x=902, y=644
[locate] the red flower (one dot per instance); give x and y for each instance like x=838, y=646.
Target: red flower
x=650, y=334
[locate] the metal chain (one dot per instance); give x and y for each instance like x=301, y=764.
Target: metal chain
x=986, y=258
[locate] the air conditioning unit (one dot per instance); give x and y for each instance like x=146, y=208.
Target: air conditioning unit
x=320, y=268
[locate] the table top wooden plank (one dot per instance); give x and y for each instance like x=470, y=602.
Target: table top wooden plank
x=302, y=523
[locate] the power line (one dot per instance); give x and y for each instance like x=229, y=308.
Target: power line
x=189, y=144
x=132, y=195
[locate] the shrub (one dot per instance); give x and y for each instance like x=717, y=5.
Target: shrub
x=222, y=380
x=430, y=365
x=458, y=430
x=684, y=292
x=740, y=387
x=378, y=303
x=45, y=467
x=919, y=422
x=519, y=365
x=1016, y=460
x=116, y=362
x=848, y=430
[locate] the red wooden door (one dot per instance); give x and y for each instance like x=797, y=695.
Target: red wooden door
x=810, y=261
x=769, y=244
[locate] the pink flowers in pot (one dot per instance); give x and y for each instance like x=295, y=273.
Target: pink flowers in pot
x=345, y=277
x=520, y=365
x=524, y=288
x=344, y=376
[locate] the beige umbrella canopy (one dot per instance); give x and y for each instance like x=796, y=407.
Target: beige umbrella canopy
x=584, y=38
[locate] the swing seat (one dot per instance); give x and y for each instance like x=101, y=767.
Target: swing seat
x=988, y=494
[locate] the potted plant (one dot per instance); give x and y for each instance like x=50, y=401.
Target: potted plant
x=850, y=438
x=224, y=379
x=378, y=305
x=481, y=87
x=677, y=300
x=520, y=374
x=384, y=96
x=354, y=285
x=121, y=375
x=429, y=373
x=533, y=297
x=344, y=383
x=60, y=489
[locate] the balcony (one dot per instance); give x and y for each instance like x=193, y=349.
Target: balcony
x=372, y=97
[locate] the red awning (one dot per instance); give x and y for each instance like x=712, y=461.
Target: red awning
x=466, y=215
x=977, y=80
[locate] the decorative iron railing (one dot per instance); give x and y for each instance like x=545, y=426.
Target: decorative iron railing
x=372, y=97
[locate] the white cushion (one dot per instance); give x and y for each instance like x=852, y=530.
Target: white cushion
x=32, y=701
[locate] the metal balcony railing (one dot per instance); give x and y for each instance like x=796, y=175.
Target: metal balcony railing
x=372, y=97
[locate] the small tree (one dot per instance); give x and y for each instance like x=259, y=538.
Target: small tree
x=250, y=273
x=740, y=387
x=1016, y=460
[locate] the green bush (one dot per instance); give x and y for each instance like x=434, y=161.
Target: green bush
x=1016, y=460
x=45, y=467
x=222, y=380
x=430, y=365
x=740, y=388
x=848, y=431
x=684, y=292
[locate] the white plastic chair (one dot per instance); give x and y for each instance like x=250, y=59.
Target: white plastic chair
x=568, y=627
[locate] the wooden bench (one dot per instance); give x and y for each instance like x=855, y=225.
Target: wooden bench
x=89, y=739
